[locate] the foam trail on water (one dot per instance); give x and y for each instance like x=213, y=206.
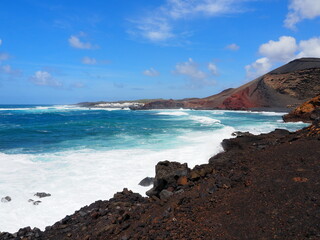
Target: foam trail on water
x=173, y=113
x=78, y=178
x=205, y=120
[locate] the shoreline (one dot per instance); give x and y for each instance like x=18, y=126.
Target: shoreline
x=191, y=179
x=166, y=187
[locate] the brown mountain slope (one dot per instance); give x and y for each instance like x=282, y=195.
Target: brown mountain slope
x=284, y=87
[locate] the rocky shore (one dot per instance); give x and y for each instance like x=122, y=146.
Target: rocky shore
x=261, y=187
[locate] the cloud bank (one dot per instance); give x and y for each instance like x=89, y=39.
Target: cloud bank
x=283, y=50
x=300, y=10
x=158, y=25
x=196, y=78
x=43, y=78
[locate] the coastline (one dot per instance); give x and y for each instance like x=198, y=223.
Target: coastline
x=191, y=183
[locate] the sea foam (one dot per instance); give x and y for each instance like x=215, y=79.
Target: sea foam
x=77, y=178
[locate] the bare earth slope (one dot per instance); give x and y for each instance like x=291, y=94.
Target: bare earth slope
x=284, y=87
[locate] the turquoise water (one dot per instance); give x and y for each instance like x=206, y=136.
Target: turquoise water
x=81, y=155
x=40, y=129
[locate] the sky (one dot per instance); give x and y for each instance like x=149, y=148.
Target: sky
x=64, y=52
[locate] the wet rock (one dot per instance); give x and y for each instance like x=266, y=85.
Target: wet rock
x=167, y=175
x=241, y=134
x=6, y=199
x=146, y=181
x=34, y=202
x=42, y=194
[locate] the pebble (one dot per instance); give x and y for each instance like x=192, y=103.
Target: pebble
x=6, y=199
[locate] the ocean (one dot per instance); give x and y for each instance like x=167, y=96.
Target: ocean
x=81, y=155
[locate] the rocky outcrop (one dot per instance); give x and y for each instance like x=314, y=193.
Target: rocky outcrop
x=307, y=112
x=169, y=175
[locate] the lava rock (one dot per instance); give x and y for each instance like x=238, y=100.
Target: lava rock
x=42, y=194
x=6, y=199
x=241, y=134
x=167, y=175
x=146, y=181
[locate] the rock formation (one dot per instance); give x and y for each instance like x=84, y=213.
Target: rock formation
x=307, y=112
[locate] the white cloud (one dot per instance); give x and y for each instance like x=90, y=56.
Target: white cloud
x=190, y=69
x=186, y=8
x=300, y=10
x=43, y=78
x=196, y=78
x=158, y=24
x=282, y=51
x=75, y=42
x=310, y=48
x=89, y=61
x=279, y=51
x=258, y=68
x=155, y=29
x=151, y=72
x=213, y=68
x=233, y=47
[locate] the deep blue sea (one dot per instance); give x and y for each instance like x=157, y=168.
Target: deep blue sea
x=80, y=155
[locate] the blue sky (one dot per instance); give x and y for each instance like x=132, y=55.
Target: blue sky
x=61, y=52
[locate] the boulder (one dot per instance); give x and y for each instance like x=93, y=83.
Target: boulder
x=6, y=199
x=42, y=194
x=146, y=181
x=167, y=175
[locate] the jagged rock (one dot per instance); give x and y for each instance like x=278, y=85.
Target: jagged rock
x=34, y=202
x=167, y=174
x=308, y=111
x=241, y=134
x=42, y=194
x=6, y=199
x=146, y=181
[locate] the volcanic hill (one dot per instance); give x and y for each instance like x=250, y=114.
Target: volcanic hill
x=285, y=87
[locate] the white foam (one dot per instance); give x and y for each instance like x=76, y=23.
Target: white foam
x=44, y=108
x=273, y=113
x=78, y=178
x=205, y=120
x=173, y=113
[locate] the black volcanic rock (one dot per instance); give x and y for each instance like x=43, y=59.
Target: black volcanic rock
x=167, y=175
x=146, y=181
x=297, y=65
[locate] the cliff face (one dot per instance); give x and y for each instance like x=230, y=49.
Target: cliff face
x=308, y=111
x=284, y=87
